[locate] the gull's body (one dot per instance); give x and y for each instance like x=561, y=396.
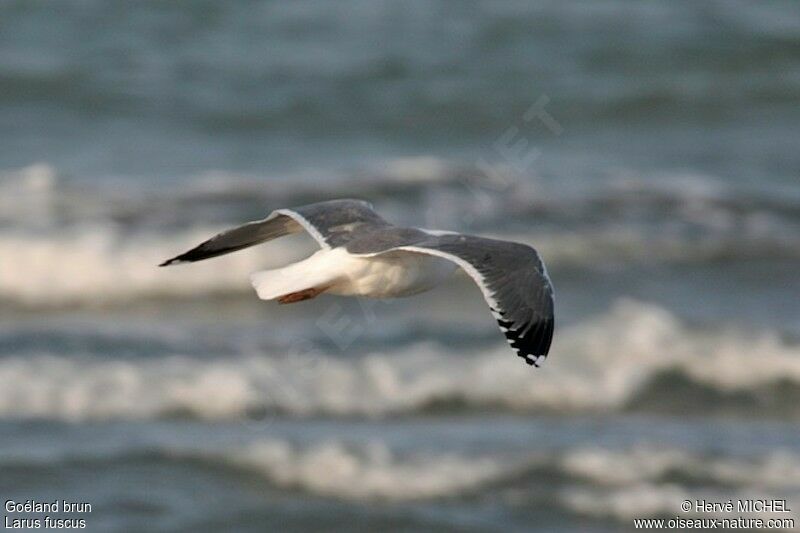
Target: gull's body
x=384, y=276
x=363, y=255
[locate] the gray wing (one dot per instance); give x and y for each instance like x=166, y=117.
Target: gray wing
x=331, y=224
x=514, y=282
x=336, y=222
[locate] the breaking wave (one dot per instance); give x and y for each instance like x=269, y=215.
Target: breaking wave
x=635, y=357
x=374, y=471
x=634, y=481
x=63, y=245
x=648, y=481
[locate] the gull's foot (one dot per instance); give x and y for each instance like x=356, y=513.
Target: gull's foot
x=299, y=296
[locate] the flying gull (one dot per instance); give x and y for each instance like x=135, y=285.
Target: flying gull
x=364, y=255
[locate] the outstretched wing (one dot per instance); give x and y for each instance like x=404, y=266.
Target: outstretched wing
x=331, y=224
x=336, y=222
x=514, y=282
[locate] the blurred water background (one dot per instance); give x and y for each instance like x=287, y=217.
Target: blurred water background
x=661, y=183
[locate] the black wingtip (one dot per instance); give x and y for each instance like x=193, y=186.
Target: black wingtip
x=532, y=344
x=532, y=361
x=168, y=262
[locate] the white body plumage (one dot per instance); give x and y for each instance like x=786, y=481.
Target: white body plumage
x=388, y=275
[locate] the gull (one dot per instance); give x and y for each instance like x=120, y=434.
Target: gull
x=361, y=254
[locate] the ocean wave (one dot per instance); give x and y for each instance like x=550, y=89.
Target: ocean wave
x=648, y=500
x=39, y=196
x=374, y=471
x=62, y=246
x=614, y=362
x=330, y=468
x=365, y=473
x=651, y=481
x=100, y=265
x=635, y=481
x=646, y=463
x=95, y=265
x=436, y=187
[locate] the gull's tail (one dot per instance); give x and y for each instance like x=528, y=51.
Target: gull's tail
x=312, y=276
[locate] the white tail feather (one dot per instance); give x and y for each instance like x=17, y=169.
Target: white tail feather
x=310, y=273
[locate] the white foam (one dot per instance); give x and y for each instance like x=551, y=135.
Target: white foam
x=93, y=264
x=416, y=170
x=638, y=501
x=96, y=265
x=634, y=482
x=598, y=365
x=60, y=245
x=334, y=468
x=648, y=463
x=368, y=472
x=644, y=500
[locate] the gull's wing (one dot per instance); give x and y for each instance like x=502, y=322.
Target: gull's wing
x=513, y=280
x=331, y=224
x=336, y=222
